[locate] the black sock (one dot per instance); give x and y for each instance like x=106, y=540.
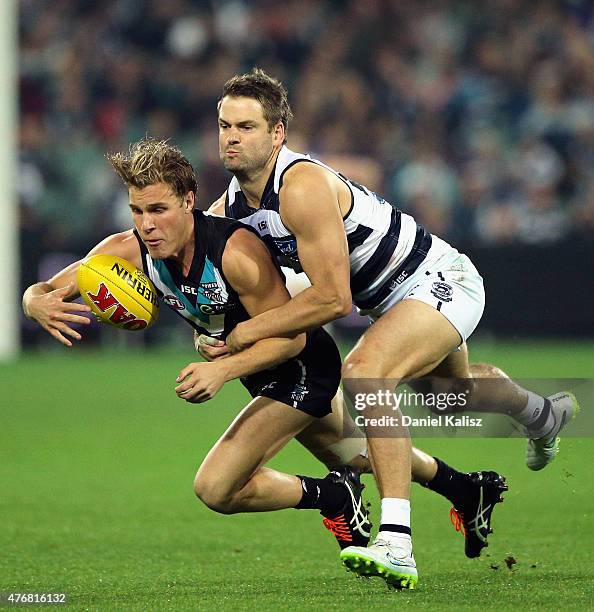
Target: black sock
x=448, y=482
x=322, y=494
x=395, y=528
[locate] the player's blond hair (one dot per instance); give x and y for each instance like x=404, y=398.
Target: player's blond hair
x=151, y=161
x=267, y=90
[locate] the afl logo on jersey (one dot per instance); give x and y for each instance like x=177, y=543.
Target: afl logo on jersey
x=173, y=302
x=442, y=291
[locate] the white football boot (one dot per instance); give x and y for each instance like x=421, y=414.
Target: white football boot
x=390, y=556
x=541, y=451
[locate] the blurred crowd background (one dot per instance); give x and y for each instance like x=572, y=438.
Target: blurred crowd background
x=476, y=117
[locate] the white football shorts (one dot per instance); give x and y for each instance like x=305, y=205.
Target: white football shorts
x=448, y=282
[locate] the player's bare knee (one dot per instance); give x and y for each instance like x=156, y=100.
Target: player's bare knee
x=363, y=381
x=213, y=494
x=486, y=370
x=359, y=365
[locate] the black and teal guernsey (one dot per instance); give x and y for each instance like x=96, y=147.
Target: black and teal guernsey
x=204, y=297
x=206, y=300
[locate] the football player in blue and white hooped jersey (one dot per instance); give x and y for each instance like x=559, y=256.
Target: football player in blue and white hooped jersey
x=424, y=297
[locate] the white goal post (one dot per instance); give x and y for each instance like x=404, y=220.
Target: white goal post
x=9, y=219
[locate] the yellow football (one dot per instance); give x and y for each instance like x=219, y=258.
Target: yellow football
x=118, y=292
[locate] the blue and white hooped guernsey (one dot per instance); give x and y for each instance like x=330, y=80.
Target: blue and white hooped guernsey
x=386, y=245
x=203, y=297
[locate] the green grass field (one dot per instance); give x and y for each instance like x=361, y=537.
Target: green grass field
x=97, y=462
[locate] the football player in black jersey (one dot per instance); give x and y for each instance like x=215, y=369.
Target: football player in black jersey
x=292, y=380
x=172, y=242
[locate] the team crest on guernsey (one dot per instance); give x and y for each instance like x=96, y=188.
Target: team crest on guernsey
x=212, y=292
x=442, y=291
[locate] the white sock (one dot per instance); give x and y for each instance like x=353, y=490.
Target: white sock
x=533, y=411
x=395, y=511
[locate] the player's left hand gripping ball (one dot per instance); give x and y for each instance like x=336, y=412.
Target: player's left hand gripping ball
x=118, y=292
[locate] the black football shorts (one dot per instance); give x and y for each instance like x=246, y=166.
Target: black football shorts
x=307, y=382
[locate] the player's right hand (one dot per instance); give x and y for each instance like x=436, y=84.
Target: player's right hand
x=200, y=382
x=210, y=348
x=55, y=315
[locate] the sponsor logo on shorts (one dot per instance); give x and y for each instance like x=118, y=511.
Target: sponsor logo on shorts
x=399, y=279
x=299, y=393
x=442, y=291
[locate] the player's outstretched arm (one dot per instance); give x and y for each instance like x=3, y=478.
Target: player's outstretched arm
x=248, y=267
x=51, y=309
x=49, y=302
x=309, y=209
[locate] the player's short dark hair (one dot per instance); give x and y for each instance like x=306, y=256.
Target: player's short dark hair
x=267, y=90
x=151, y=161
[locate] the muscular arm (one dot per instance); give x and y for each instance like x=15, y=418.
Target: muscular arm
x=309, y=209
x=251, y=272
x=48, y=302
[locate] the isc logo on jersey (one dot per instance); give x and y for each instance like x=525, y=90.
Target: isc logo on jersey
x=117, y=292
